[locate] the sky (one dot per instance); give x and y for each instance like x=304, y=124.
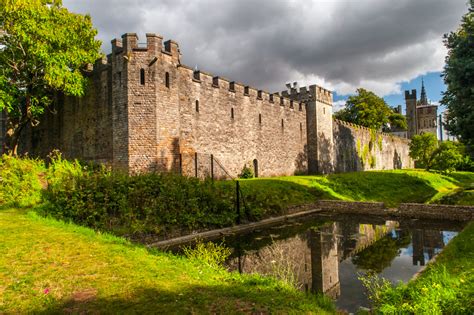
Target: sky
x=384, y=46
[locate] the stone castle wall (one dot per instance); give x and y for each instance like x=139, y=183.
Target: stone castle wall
x=145, y=111
x=358, y=148
x=239, y=124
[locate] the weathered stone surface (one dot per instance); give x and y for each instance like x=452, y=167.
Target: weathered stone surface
x=145, y=111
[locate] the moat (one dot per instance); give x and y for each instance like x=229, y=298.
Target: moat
x=329, y=253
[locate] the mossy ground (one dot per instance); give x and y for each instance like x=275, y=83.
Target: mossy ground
x=47, y=266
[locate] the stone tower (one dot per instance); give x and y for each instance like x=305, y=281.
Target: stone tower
x=319, y=122
x=421, y=115
x=325, y=260
x=410, y=99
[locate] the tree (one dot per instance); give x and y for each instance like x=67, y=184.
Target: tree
x=398, y=121
x=447, y=157
x=369, y=110
x=44, y=50
x=458, y=76
x=422, y=148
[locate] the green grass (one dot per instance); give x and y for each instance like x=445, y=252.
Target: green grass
x=445, y=287
x=47, y=266
x=391, y=187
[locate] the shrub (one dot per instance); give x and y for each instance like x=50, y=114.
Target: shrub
x=21, y=181
x=212, y=254
x=140, y=204
x=446, y=157
x=246, y=172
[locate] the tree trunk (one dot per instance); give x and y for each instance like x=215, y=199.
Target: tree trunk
x=14, y=127
x=12, y=138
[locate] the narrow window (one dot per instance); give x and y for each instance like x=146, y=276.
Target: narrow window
x=142, y=76
x=260, y=119
x=301, y=131
x=197, y=106
x=282, y=124
x=232, y=113
x=119, y=78
x=300, y=107
x=291, y=104
x=167, y=79
x=270, y=98
x=324, y=110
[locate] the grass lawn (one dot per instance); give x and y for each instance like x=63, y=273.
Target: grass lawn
x=391, y=187
x=47, y=266
x=445, y=287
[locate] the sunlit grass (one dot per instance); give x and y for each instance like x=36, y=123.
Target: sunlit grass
x=391, y=187
x=53, y=267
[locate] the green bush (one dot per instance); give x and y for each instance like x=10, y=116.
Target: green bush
x=208, y=253
x=21, y=181
x=140, y=204
x=246, y=172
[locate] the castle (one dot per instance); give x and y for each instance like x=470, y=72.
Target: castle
x=146, y=111
x=421, y=115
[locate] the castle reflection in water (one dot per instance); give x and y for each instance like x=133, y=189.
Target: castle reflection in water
x=311, y=258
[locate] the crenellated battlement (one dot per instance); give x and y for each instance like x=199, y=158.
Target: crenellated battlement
x=359, y=127
x=311, y=93
x=154, y=45
x=411, y=95
x=202, y=77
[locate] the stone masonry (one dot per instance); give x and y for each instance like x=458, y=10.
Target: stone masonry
x=146, y=111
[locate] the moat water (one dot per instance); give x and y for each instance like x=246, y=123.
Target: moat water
x=329, y=254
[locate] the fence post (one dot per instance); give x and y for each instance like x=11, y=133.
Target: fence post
x=237, y=200
x=195, y=164
x=212, y=167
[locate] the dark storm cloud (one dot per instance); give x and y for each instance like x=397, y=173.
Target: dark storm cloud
x=340, y=44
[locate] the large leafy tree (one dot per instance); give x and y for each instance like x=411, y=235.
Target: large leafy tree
x=369, y=110
x=459, y=78
x=44, y=49
x=422, y=149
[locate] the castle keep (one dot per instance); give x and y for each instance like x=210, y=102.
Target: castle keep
x=146, y=111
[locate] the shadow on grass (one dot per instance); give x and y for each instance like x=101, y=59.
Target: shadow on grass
x=221, y=299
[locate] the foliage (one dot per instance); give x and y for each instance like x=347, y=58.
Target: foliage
x=397, y=121
x=447, y=157
x=246, y=172
x=44, y=50
x=158, y=203
x=142, y=204
x=210, y=253
x=369, y=110
x=20, y=181
x=422, y=148
x=445, y=287
x=51, y=267
x=459, y=79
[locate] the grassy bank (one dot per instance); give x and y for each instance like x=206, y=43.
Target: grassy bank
x=47, y=266
x=154, y=206
x=391, y=187
x=445, y=287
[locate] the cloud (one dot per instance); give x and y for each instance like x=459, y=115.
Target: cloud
x=341, y=44
x=338, y=105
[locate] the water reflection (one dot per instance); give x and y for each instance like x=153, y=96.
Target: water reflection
x=328, y=256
